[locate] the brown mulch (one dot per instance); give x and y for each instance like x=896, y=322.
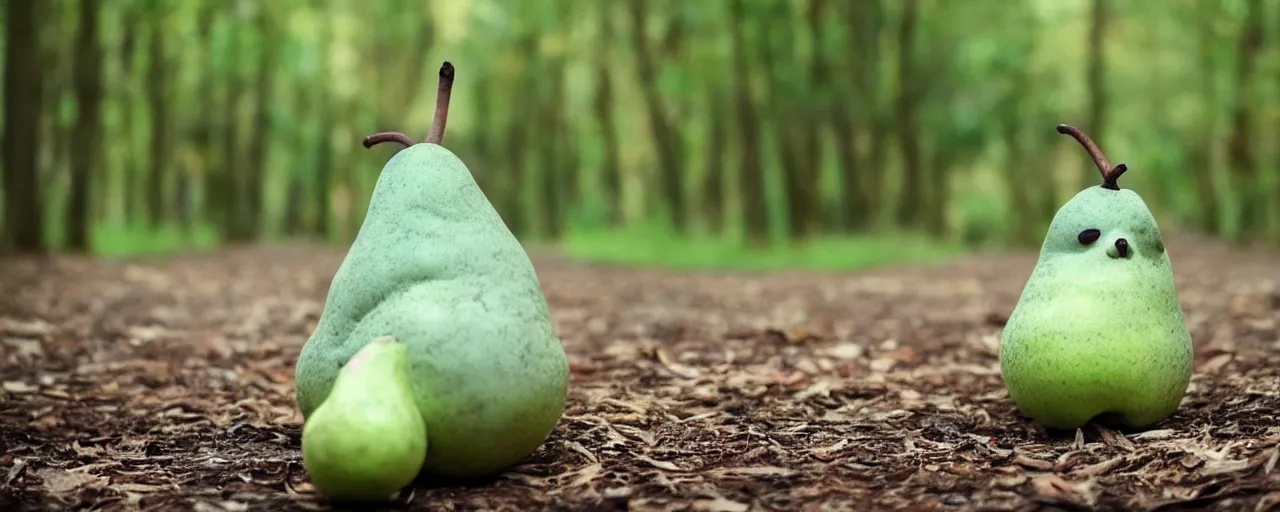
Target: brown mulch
x=165, y=384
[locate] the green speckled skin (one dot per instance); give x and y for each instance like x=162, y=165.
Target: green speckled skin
x=1092, y=333
x=367, y=440
x=435, y=267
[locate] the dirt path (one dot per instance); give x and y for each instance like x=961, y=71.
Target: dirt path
x=166, y=385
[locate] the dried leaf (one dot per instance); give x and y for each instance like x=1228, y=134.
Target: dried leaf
x=1054, y=487
x=1030, y=463
x=61, y=482
x=167, y=384
x=660, y=464
x=720, y=504
x=755, y=471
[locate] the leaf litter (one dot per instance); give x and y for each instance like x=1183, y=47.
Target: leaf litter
x=166, y=383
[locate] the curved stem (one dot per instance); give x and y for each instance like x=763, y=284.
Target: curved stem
x=436, y=135
x=379, y=138
x=1109, y=173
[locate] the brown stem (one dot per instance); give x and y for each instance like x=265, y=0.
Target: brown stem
x=436, y=135
x=1109, y=173
x=378, y=138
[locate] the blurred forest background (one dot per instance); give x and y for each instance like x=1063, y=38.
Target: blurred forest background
x=842, y=131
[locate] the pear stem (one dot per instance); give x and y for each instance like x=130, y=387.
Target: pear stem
x=378, y=138
x=438, y=122
x=1110, y=174
x=445, y=89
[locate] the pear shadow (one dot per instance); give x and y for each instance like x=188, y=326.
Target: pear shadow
x=398, y=504
x=428, y=482
x=404, y=500
x=407, y=495
x=1092, y=431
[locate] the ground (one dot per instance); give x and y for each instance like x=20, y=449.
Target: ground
x=166, y=384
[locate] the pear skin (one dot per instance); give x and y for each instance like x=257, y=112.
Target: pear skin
x=1098, y=330
x=367, y=439
x=435, y=266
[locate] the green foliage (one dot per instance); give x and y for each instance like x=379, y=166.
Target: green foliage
x=873, y=118
x=122, y=241
x=654, y=244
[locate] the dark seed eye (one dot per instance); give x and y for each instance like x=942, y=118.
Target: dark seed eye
x=1089, y=236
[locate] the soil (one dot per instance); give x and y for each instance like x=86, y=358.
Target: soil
x=166, y=384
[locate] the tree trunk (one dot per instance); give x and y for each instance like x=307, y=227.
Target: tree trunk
x=611, y=173
x=55, y=51
x=1241, y=160
x=398, y=61
x=861, y=179
x=205, y=130
x=125, y=95
x=786, y=121
x=665, y=137
x=550, y=179
x=1015, y=181
x=939, y=171
x=232, y=164
x=264, y=87
x=817, y=108
x=514, y=211
x=324, y=132
x=158, y=103
x=713, y=175
x=1202, y=143
x=1023, y=192
x=751, y=171
x=88, y=87
x=324, y=167
x=1096, y=83
x=23, y=84
x=481, y=144
x=512, y=202
x=295, y=198
x=911, y=199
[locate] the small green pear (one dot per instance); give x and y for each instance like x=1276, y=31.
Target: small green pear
x=436, y=267
x=1098, y=332
x=367, y=439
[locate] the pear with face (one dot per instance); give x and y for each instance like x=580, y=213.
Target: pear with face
x=1098, y=333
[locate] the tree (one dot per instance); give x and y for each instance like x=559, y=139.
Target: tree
x=1096, y=80
x=23, y=89
x=665, y=135
x=853, y=121
x=906, y=107
x=751, y=169
x=158, y=106
x=88, y=127
x=1241, y=160
x=263, y=94
x=611, y=169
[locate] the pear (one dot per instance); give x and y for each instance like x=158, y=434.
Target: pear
x=367, y=440
x=1098, y=333
x=434, y=266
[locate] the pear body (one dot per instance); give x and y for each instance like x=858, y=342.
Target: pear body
x=1096, y=333
x=367, y=440
x=434, y=266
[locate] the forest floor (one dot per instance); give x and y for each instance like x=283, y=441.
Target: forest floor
x=166, y=384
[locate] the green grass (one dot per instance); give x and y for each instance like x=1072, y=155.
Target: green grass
x=657, y=247
x=120, y=241
x=647, y=244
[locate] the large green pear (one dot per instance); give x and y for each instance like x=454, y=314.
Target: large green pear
x=1098, y=331
x=435, y=267
x=367, y=440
